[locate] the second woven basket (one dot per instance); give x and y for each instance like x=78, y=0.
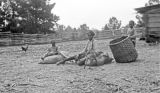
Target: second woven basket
x=123, y=50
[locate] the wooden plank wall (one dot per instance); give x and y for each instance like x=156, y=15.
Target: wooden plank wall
x=154, y=24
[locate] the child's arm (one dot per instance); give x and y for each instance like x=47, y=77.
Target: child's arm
x=93, y=50
x=49, y=49
x=131, y=32
x=136, y=35
x=85, y=49
x=48, y=53
x=59, y=52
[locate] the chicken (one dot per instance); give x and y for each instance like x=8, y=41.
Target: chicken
x=24, y=48
x=152, y=39
x=141, y=39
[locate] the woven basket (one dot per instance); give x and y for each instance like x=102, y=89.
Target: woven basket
x=123, y=50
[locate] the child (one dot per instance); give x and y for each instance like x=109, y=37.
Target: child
x=88, y=50
x=52, y=51
x=131, y=32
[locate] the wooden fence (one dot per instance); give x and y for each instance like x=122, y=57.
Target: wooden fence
x=7, y=39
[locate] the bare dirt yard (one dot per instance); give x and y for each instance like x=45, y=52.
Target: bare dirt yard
x=21, y=73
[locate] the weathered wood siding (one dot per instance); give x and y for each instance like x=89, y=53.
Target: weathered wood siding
x=154, y=19
x=154, y=15
x=154, y=29
x=154, y=24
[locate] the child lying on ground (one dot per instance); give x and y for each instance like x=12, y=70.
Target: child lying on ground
x=86, y=57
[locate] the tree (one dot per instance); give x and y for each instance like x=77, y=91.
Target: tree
x=61, y=27
x=2, y=18
x=59, y=30
x=8, y=21
x=35, y=14
x=69, y=28
x=152, y=2
x=140, y=22
x=114, y=23
x=106, y=27
x=84, y=27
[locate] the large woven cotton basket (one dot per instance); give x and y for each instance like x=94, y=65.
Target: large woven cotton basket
x=123, y=50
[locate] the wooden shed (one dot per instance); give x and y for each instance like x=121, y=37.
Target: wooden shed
x=151, y=18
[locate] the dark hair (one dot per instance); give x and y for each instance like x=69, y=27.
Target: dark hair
x=90, y=32
x=131, y=21
x=53, y=42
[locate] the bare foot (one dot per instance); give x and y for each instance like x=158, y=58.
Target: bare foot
x=42, y=58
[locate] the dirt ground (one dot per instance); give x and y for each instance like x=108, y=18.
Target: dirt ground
x=21, y=73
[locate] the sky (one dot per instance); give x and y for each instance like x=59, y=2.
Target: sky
x=95, y=13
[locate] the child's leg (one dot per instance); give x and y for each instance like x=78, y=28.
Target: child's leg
x=134, y=43
x=75, y=57
x=46, y=55
x=61, y=55
x=66, y=59
x=81, y=61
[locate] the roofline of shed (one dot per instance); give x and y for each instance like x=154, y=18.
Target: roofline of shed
x=147, y=8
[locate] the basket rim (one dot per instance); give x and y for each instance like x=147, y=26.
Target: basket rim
x=120, y=41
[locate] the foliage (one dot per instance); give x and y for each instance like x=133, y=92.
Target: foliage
x=36, y=16
x=114, y=23
x=84, y=27
x=140, y=22
x=106, y=27
x=152, y=2
x=69, y=28
x=61, y=27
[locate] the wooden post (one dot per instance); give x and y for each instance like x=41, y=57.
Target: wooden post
x=146, y=26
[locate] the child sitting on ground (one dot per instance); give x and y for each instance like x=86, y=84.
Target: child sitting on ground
x=81, y=57
x=87, y=56
x=52, y=51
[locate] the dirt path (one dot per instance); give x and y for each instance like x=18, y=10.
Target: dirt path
x=21, y=73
